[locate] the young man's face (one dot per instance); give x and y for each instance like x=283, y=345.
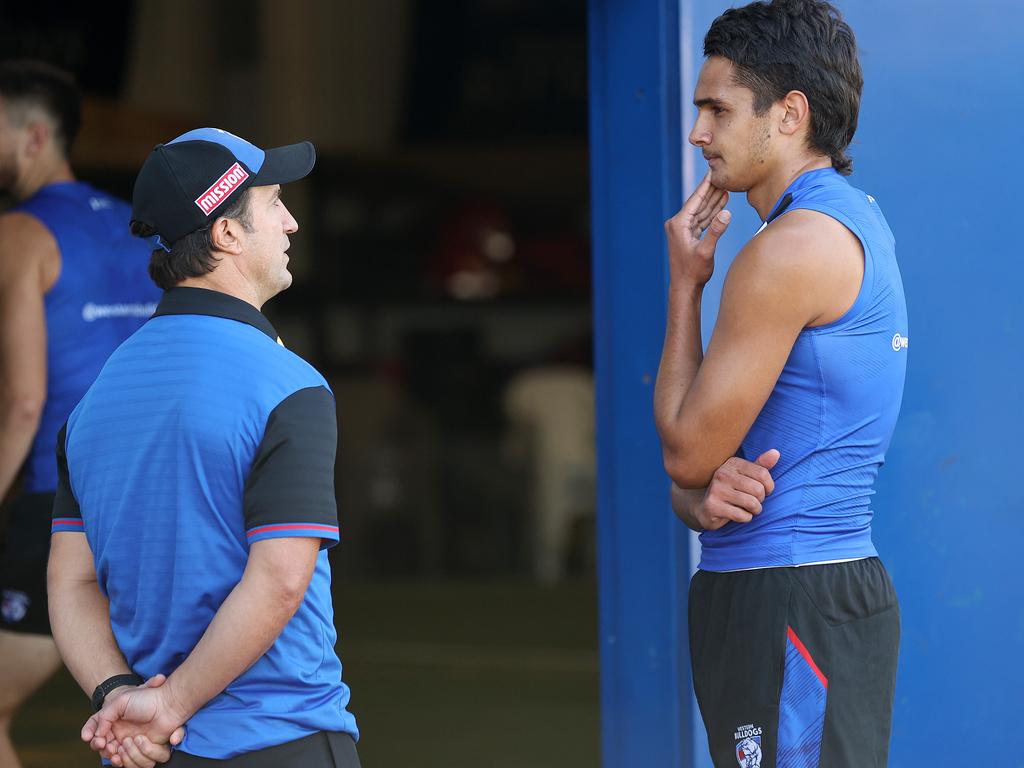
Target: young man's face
x=736, y=142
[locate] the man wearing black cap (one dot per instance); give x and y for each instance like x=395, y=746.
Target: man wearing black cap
x=200, y=468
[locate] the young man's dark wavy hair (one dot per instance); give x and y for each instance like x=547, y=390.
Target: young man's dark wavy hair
x=192, y=255
x=29, y=83
x=796, y=45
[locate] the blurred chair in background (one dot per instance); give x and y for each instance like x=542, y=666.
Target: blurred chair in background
x=551, y=412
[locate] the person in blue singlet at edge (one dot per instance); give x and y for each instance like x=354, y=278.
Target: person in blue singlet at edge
x=774, y=436
x=73, y=286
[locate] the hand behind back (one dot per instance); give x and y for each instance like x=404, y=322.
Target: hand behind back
x=136, y=725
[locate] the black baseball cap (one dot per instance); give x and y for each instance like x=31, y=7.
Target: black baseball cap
x=185, y=183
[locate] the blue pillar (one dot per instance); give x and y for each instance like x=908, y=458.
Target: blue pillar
x=636, y=166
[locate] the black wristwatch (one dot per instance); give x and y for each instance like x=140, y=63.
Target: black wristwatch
x=110, y=684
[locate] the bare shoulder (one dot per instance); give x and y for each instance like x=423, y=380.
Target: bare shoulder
x=26, y=244
x=806, y=258
x=810, y=240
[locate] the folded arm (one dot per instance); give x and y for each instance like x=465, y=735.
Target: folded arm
x=784, y=280
x=736, y=494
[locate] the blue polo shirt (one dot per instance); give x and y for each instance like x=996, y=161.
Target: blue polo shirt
x=200, y=436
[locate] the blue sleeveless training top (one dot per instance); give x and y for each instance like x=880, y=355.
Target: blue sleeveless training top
x=833, y=409
x=102, y=296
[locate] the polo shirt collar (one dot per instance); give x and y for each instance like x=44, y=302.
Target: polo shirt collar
x=202, y=301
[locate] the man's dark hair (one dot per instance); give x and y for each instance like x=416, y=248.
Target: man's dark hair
x=28, y=83
x=796, y=45
x=191, y=255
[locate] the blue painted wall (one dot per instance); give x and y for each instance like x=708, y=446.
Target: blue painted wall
x=939, y=146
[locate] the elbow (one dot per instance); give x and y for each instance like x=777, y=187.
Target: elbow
x=24, y=409
x=685, y=467
x=279, y=573
x=289, y=599
x=289, y=593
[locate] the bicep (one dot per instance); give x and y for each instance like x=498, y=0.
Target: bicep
x=283, y=564
x=751, y=342
x=71, y=559
x=763, y=310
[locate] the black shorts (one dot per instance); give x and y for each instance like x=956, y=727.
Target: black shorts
x=23, y=554
x=796, y=667
x=318, y=750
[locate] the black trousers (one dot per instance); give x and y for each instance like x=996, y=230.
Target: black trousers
x=318, y=750
x=796, y=667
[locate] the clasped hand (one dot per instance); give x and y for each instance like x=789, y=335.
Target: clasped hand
x=136, y=727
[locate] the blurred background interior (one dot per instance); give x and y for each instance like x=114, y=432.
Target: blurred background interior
x=442, y=285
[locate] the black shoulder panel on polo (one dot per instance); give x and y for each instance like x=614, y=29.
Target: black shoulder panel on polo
x=292, y=475
x=202, y=301
x=65, y=505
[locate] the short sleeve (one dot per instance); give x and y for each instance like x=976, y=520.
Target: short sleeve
x=66, y=514
x=290, y=488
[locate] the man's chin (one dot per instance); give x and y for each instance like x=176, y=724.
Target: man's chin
x=722, y=180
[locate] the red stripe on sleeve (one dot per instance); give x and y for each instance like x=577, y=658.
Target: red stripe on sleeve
x=293, y=527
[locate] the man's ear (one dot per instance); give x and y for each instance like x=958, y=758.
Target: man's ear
x=224, y=234
x=797, y=115
x=39, y=136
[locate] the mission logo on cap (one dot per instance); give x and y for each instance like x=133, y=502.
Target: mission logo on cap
x=219, y=191
x=185, y=182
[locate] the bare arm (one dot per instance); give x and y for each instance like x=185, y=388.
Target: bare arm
x=686, y=503
x=691, y=264
x=80, y=622
x=80, y=613
x=29, y=265
x=248, y=622
x=802, y=271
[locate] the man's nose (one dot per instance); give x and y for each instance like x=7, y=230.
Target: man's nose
x=290, y=224
x=699, y=137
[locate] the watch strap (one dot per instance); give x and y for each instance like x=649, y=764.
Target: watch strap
x=100, y=694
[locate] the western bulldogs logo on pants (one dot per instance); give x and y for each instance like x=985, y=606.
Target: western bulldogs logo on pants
x=748, y=752
x=748, y=746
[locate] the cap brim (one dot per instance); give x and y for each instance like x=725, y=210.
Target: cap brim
x=284, y=164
